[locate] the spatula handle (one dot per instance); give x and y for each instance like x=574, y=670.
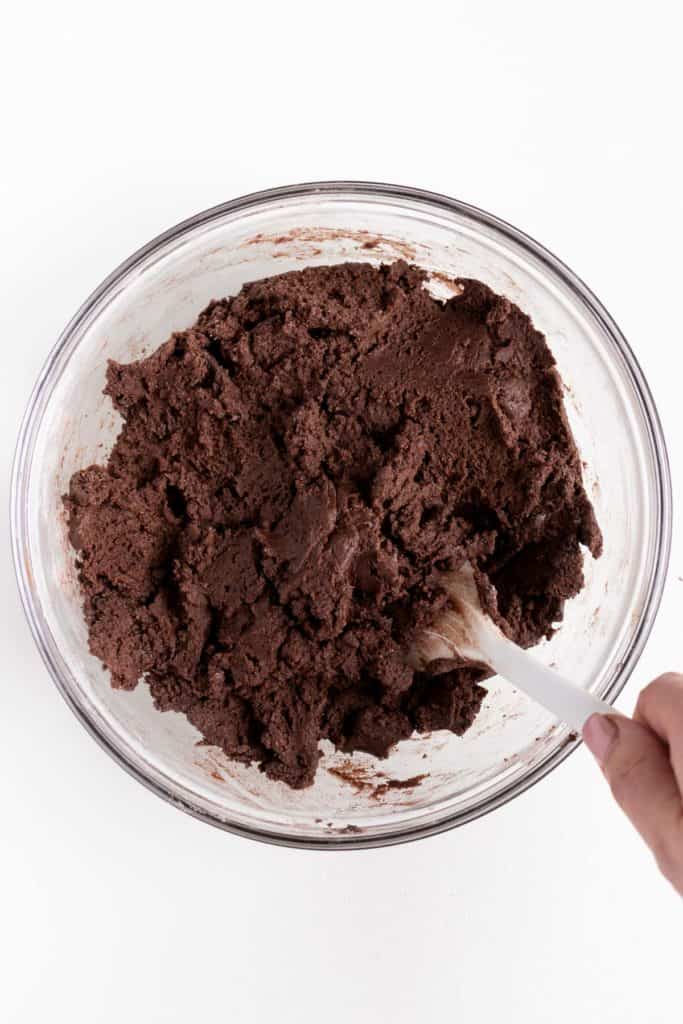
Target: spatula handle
x=563, y=698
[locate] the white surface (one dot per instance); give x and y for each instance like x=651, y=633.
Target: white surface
x=119, y=122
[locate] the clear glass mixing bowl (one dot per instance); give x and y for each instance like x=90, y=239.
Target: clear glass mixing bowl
x=513, y=743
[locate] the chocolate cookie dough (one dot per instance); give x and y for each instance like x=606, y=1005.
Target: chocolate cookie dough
x=293, y=475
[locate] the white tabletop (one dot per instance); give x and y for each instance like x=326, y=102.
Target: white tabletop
x=119, y=121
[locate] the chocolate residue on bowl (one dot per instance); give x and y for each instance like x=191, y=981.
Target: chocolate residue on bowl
x=367, y=240
x=451, y=283
x=403, y=783
x=364, y=779
x=391, y=784
x=357, y=776
x=294, y=474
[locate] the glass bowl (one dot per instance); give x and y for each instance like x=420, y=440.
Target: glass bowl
x=447, y=780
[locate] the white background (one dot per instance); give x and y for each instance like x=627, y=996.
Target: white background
x=118, y=121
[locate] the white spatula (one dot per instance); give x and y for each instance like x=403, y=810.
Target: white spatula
x=465, y=630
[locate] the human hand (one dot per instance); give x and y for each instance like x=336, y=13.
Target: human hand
x=642, y=760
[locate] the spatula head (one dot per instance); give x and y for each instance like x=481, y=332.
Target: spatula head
x=455, y=632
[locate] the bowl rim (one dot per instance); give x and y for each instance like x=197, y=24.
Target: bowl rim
x=345, y=189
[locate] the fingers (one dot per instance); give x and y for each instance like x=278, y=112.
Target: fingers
x=660, y=706
x=636, y=763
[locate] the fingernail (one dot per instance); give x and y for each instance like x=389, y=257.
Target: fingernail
x=599, y=733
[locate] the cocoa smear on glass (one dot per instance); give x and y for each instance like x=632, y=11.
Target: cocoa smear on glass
x=293, y=475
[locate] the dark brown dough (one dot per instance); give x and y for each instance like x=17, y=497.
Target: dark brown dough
x=293, y=475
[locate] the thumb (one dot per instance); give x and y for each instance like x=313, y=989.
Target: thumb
x=637, y=766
